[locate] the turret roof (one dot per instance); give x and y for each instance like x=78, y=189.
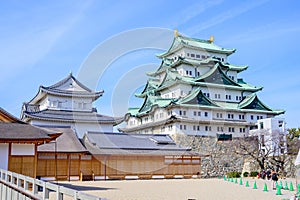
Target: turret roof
x=68, y=87
x=70, y=116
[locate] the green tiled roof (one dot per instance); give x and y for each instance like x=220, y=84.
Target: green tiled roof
x=207, y=45
x=150, y=88
x=151, y=101
x=216, y=75
x=168, y=63
x=213, y=78
x=196, y=97
x=133, y=111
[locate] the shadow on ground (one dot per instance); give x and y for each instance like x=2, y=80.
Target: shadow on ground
x=84, y=188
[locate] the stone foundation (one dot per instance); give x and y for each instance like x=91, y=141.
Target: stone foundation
x=218, y=157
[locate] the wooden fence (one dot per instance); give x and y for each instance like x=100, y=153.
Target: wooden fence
x=15, y=186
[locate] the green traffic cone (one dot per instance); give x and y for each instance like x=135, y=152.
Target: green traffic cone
x=232, y=180
x=265, y=188
x=247, y=184
x=241, y=181
x=291, y=186
x=235, y=181
x=278, y=191
x=286, y=187
x=280, y=184
x=224, y=178
x=254, y=185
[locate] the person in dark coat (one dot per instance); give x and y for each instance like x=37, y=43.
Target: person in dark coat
x=274, y=177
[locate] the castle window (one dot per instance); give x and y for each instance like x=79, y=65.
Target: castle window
x=230, y=116
x=231, y=129
x=195, y=113
x=199, y=113
x=197, y=56
x=228, y=96
x=206, y=114
x=207, y=128
x=192, y=55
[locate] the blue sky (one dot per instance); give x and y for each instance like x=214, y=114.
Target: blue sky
x=43, y=41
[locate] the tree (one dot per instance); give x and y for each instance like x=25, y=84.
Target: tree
x=250, y=147
x=267, y=148
x=293, y=143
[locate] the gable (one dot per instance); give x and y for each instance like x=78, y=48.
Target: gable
x=217, y=76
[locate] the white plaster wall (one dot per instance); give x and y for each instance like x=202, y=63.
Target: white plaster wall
x=4, y=156
x=71, y=103
x=176, y=90
x=22, y=149
x=232, y=73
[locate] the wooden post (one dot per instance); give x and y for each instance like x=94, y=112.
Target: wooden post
x=69, y=166
x=55, y=159
x=35, y=160
x=9, y=156
x=79, y=168
x=105, y=168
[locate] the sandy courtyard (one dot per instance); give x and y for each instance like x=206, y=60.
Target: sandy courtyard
x=179, y=189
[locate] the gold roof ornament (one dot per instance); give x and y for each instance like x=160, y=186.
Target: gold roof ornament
x=211, y=38
x=176, y=33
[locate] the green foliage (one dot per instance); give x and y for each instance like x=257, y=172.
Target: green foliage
x=294, y=133
x=253, y=174
x=234, y=174
x=245, y=174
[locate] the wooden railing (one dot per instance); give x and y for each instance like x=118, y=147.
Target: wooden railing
x=16, y=186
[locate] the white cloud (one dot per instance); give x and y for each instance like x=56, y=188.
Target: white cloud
x=193, y=11
x=224, y=16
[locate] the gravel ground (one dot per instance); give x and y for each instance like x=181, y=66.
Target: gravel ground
x=180, y=189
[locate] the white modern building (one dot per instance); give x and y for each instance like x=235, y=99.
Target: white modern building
x=67, y=103
x=271, y=133
x=196, y=91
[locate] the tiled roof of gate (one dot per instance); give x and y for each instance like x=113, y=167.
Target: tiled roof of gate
x=68, y=142
x=128, y=144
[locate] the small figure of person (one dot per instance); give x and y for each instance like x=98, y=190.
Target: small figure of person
x=263, y=174
x=274, y=177
x=268, y=174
